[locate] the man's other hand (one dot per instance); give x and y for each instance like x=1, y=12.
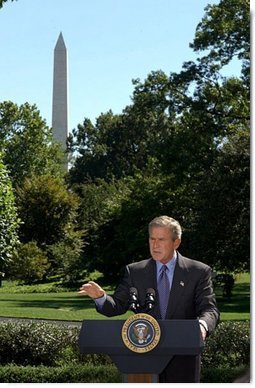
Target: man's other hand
x=92, y=289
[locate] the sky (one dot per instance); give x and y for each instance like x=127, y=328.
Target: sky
x=109, y=43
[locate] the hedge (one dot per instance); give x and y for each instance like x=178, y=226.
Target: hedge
x=65, y=374
x=46, y=351
x=96, y=374
x=228, y=346
x=222, y=374
x=34, y=343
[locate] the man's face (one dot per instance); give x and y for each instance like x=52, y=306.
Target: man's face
x=161, y=244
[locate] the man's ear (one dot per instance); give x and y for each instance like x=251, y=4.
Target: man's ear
x=177, y=243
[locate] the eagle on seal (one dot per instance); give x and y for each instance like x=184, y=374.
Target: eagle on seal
x=141, y=333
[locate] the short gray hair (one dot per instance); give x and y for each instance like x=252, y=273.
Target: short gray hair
x=167, y=222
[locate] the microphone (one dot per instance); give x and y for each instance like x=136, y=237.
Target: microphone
x=133, y=299
x=150, y=299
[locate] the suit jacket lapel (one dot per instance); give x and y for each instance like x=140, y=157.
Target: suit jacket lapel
x=150, y=276
x=180, y=279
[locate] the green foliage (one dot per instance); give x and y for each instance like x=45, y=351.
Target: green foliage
x=9, y=221
x=27, y=143
x=49, y=214
x=100, y=204
x=80, y=373
x=120, y=145
x=30, y=264
x=223, y=31
x=228, y=346
x=2, y=2
x=226, y=355
x=96, y=145
x=94, y=276
x=47, y=209
x=34, y=343
x=65, y=374
x=116, y=216
x=223, y=374
x=14, y=287
x=227, y=184
x=181, y=148
x=66, y=255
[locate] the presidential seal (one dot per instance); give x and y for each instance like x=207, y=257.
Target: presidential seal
x=141, y=333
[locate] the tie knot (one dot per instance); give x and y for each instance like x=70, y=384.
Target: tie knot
x=164, y=268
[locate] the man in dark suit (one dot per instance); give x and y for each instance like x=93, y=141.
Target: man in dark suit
x=189, y=292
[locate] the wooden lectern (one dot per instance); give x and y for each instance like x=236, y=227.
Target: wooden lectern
x=180, y=337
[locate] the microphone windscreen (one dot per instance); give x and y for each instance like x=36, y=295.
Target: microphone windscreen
x=151, y=291
x=133, y=290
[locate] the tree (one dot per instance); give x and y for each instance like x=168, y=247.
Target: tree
x=47, y=210
x=116, y=214
x=9, y=221
x=100, y=205
x=175, y=147
x=222, y=232
x=93, y=145
x=224, y=31
x=219, y=106
x=29, y=265
x=203, y=104
x=2, y=2
x=70, y=264
x=49, y=214
x=27, y=143
x=119, y=145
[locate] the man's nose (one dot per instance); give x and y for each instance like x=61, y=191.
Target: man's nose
x=155, y=243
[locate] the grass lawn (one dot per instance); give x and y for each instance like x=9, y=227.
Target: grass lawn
x=70, y=306
x=61, y=306
x=238, y=306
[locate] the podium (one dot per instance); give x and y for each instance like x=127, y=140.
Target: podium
x=178, y=337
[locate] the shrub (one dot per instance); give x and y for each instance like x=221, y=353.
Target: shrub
x=65, y=374
x=228, y=346
x=222, y=375
x=9, y=221
x=34, y=343
x=12, y=287
x=48, y=344
x=80, y=373
x=30, y=263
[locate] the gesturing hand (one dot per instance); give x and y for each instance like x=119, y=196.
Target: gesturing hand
x=92, y=289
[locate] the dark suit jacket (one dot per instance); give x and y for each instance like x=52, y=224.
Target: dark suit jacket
x=191, y=297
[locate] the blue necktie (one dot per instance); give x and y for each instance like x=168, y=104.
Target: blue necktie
x=163, y=290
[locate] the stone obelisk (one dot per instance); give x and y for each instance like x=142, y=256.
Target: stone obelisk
x=60, y=93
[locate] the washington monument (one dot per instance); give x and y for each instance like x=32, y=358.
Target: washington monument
x=60, y=93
